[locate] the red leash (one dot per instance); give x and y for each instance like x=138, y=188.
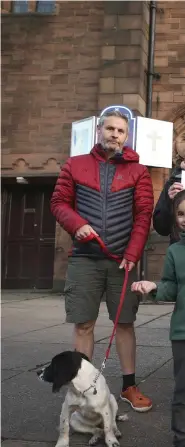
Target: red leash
x=122, y=297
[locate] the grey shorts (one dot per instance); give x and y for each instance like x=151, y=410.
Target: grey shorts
x=87, y=281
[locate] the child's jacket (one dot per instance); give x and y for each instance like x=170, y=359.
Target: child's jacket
x=172, y=287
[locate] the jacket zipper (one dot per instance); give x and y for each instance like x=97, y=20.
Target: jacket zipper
x=105, y=199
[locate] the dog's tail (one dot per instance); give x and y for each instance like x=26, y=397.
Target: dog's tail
x=121, y=417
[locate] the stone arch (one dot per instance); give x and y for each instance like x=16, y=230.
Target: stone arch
x=51, y=164
x=20, y=164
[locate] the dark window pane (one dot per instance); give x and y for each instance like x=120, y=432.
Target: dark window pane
x=20, y=7
x=46, y=6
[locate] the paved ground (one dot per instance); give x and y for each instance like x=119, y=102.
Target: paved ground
x=34, y=329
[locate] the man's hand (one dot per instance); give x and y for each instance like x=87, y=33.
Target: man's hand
x=174, y=189
x=143, y=287
x=125, y=263
x=84, y=231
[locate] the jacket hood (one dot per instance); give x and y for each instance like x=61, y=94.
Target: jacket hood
x=128, y=154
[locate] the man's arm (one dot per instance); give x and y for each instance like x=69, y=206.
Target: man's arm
x=143, y=207
x=63, y=200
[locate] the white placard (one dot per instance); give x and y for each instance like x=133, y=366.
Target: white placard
x=183, y=178
x=154, y=142
x=96, y=133
x=83, y=136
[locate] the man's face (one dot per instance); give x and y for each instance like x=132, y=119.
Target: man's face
x=113, y=134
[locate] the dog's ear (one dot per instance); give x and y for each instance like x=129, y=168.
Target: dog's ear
x=57, y=383
x=65, y=368
x=84, y=356
x=60, y=376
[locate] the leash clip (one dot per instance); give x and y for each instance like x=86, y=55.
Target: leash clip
x=103, y=365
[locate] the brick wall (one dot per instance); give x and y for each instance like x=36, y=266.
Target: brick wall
x=124, y=55
x=50, y=75
x=169, y=91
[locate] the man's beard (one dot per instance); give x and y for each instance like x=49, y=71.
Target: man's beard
x=115, y=150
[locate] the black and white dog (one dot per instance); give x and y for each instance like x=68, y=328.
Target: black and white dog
x=88, y=407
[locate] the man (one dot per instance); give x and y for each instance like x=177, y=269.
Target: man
x=107, y=193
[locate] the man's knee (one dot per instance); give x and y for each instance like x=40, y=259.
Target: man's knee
x=128, y=327
x=85, y=328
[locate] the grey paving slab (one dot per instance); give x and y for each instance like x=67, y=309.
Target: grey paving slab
x=153, y=337
x=163, y=322
x=157, y=309
x=166, y=372
x=26, y=356
x=21, y=327
x=9, y=373
x=19, y=443
x=149, y=359
x=62, y=333
x=29, y=409
x=149, y=337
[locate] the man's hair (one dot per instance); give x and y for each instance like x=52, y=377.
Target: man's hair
x=180, y=196
x=115, y=113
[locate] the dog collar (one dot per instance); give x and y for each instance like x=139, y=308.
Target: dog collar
x=91, y=386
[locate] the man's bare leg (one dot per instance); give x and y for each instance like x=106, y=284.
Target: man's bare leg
x=84, y=338
x=126, y=347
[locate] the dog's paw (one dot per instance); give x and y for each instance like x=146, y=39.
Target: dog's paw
x=122, y=417
x=96, y=438
x=111, y=441
x=62, y=443
x=117, y=433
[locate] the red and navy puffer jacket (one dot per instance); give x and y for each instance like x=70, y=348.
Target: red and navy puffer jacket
x=115, y=197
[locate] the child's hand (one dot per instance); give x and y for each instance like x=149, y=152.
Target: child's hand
x=143, y=287
x=174, y=189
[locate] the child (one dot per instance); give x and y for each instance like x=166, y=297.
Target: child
x=172, y=288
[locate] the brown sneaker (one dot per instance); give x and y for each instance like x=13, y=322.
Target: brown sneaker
x=136, y=399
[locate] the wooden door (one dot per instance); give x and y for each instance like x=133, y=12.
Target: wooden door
x=29, y=238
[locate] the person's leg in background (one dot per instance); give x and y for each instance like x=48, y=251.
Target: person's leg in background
x=178, y=405
x=125, y=334
x=84, y=288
